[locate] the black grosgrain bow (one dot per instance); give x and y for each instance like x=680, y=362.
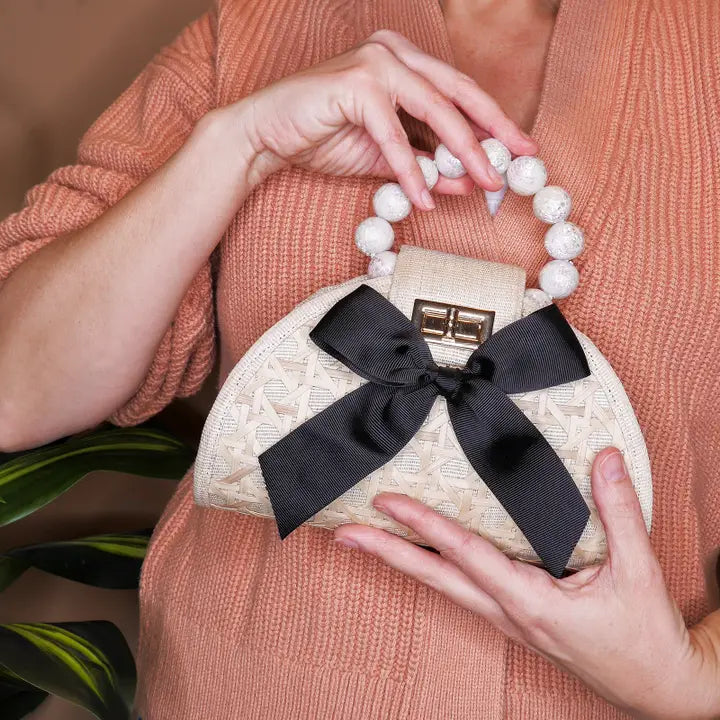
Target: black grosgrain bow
x=332, y=451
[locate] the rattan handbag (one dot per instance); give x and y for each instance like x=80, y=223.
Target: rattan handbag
x=285, y=381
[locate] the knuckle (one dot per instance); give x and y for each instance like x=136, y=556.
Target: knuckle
x=626, y=507
x=439, y=102
x=384, y=36
x=500, y=124
x=395, y=136
x=372, y=53
x=424, y=520
x=421, y=517
x=463, y=87
x=528, y=614
x=458, y=551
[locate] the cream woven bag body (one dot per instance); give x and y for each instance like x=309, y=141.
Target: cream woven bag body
x=284, y=379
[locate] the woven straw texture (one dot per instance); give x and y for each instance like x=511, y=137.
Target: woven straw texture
x=284, y=379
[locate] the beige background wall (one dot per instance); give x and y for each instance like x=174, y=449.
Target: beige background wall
x=61, y=63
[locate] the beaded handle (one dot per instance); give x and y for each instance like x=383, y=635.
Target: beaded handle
x=525, y=175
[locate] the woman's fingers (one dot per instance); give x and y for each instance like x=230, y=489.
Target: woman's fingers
x=424, y=101
x=426, y=567
x=454, y=186
x=383, y=124
x=450, y=186
x=619, y=509
x=461, y=90
x=483, y=563
x=382, y=83
x=444, y=186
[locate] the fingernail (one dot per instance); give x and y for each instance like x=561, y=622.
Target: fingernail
x=526, y=136
x=347, y=542
x=494, y=176
x=613, y=467
x=427, y=199
x=378, y=505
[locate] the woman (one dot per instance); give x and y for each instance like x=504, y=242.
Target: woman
x=255, y=142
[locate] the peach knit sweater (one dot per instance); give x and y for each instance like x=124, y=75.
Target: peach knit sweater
x=236, y=624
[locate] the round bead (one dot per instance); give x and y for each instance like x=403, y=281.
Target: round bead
x=391, y=203
x=559, y=278
x=564, y=241
x=533, y=300
x=374, y=235
x=429, y=170
x=382, y=264
x=526, y=175
x=552, y=204
x=447, y=163
x=498, y=154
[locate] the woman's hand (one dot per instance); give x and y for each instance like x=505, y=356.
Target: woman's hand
x=340, y=117
x=615, y=625
x=336, y=117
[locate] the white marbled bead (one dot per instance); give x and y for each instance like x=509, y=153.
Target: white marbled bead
x=447, y=163
x=533, y=300
x=552, y=204
x=374, y=235
x=559, y=278
x=391, y=203
x=564, y=241
x=382, y=264
x=526, y=175
x=498, y=155
x=429, y=170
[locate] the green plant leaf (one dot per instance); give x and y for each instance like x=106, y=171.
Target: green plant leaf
x=18, y=698
x=108, y=561
x=33, y=479
x=87, y=663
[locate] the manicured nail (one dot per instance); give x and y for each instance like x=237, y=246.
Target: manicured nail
x=427, y=199
x=613, y=467
x=379, y=505
x=494, y=176
x=347, y=542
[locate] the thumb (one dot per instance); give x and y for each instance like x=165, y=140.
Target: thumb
x=619, y=509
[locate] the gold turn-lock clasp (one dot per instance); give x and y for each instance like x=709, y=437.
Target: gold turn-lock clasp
x=452, y=324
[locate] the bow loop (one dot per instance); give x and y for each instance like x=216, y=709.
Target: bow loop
x=362, y=431
x=385, y=348
x=536, y=352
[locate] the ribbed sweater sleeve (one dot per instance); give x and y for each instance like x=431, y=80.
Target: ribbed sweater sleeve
x=131, y=139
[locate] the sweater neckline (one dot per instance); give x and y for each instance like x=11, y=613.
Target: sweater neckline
x=573, y=116
x=558, y=32
x=550, y=68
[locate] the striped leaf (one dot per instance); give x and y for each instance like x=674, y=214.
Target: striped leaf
x=108, y=561
x=87, y=663
x=31, y=480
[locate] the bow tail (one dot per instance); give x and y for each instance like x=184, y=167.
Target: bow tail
x=331, y=452
x=522, y=470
